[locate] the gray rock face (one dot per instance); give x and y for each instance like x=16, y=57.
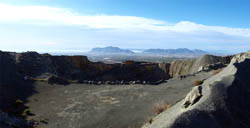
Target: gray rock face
x=210, y=67
x=8, y=76
x=204, y=63
x=224, y=102
x=180, y=67
x=7, y=68
x=209, y=60
x=192, y=96
x=34, y=65
x=80, y=68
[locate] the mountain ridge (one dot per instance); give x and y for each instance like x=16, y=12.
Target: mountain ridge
x=156, y=51
x=175, y=51
x=111, y=50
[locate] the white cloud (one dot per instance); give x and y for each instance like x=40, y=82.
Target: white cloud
x=87, y=31
x=39, y=14
x=62, y=16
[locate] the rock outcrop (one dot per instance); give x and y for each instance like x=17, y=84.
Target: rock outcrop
x=7, y=68
x=210, y=67
x=192, y=97
x=209, y=60
x=34, y=65
x=204, y=63
x=224, y=101
x=180, y=67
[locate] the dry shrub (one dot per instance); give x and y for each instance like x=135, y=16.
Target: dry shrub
x=160, y=107
x=128, y=62
x=150, y=120
x=149, y=68
x=26, y=112
x=216, y=71
x=198, y=82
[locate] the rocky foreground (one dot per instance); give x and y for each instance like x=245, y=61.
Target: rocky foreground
x=222, y=101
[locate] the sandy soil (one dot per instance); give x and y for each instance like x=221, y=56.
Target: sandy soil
x=104, y=106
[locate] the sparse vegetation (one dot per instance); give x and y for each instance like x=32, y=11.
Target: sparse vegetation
x=129, y=62
x=157, y=109
x=39, y=79
x=44, y=121
x=150, y=120
x=198, y=82
x=18, y=101
x=160, y=107
x=26, y=112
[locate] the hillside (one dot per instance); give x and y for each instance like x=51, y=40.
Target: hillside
x=222, y=101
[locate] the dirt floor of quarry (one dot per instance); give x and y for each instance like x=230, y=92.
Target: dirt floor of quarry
x=104, y=106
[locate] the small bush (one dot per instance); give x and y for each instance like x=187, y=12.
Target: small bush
x=160, y=107
x=44, y=121
x=198, y=82
x=150, y=120
x=129, y=62
x=26, y=112
x=19, y=101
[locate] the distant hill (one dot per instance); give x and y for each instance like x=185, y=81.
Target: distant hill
x=169, y=52
x=111, y=50
x=183, y=51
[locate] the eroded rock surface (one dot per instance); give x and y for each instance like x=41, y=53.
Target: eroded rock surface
x=224, y=101
x=192, y=97
x=33, y=65
x=79, y=68
x=204, y=63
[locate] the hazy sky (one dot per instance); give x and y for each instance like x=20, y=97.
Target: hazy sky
x=79, y=25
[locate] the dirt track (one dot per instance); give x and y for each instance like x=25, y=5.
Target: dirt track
x=105, y=106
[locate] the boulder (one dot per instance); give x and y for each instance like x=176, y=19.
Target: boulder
x=192, y=97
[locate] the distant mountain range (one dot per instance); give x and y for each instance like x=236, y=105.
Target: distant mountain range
x=174, y=51
x=111, y=50
x=117, y=50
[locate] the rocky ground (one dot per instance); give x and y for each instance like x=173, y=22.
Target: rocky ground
x=105, y=106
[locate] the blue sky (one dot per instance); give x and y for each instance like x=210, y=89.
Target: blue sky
x=79, y=25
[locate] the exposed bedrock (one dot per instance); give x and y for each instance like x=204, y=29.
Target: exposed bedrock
x=34, y=65
x=209, y=62
x=222, y=103
x=7, y=68
x=180, y=67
